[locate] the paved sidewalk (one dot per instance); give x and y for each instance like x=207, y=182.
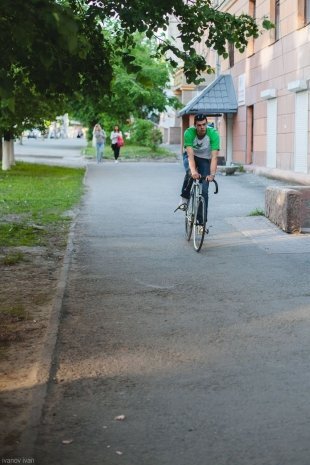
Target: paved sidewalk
x=205, y=354
x=65, y=152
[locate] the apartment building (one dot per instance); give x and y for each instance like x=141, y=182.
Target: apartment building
x=271, y=127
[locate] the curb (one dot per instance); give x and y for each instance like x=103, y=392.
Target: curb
x=44, y=367
x=283, y=175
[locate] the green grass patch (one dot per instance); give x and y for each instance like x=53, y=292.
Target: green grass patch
x=10, y=317
x=131, y=152
x=12, y=258
x=36, y=197
x=16, y=234
x=257, y=212
x=16, y=313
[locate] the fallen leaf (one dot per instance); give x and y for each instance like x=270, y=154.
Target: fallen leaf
x=120, y=418
x=67, y=441
x=118, y=452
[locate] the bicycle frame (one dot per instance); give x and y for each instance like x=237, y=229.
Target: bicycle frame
x=195, y=209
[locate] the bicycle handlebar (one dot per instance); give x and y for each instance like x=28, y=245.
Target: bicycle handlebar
x=216, y=184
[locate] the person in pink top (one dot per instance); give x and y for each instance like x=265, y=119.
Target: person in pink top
x=115, y=136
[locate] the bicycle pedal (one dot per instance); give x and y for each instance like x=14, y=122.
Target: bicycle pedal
x=182, y=207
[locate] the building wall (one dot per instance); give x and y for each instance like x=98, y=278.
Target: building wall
x=273, y=65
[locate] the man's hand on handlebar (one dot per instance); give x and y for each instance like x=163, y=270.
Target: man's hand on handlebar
x=195, y=175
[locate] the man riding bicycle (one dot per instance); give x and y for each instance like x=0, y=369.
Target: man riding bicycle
x=201, y=144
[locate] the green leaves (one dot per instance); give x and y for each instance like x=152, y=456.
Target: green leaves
x=64, y=49
x=267, y=24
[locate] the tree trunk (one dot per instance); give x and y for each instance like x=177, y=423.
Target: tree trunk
x=12, y=154
x=6, y=156
x=1, y=147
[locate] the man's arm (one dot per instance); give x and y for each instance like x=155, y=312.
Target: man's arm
x=213, y=165
x=192, y=164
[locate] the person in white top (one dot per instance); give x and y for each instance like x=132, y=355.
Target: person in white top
x=116, y=139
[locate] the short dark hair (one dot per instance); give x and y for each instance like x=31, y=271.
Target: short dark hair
x=199, y=117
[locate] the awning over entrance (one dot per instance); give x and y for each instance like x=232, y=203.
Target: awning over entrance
x=219, y=97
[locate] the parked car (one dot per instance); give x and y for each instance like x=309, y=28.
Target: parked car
x=33, y=134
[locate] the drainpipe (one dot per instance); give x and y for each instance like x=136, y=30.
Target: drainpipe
x=218, y=66
x=229, y=138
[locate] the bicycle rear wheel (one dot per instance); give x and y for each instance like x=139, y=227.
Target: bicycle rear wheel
x=199, y=226
x=189, y=218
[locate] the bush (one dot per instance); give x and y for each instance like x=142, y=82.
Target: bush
x=145, y=133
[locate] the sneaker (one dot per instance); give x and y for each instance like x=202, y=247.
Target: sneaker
x=116, y=161
x=201, y=228
x=183, y=204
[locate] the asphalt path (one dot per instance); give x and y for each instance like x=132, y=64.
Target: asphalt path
x=206, y=355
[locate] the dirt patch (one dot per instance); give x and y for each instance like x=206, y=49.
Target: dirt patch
x=28, y=287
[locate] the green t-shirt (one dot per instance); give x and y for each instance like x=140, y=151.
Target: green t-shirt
x=202, y=147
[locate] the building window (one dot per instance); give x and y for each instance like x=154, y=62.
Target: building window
x=303, y=12
x=307, y=11
x=252, y=8
x=252, y=12
x=277, y=19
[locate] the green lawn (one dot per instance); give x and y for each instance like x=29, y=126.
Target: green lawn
x=35, y=201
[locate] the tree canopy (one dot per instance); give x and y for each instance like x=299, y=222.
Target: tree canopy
x=138, y=90
x=53, y=51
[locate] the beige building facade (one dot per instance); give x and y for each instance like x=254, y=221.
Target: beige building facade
x=272, y=82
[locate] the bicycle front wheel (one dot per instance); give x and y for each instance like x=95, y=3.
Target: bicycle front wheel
x=199, y=225
x=189, y=218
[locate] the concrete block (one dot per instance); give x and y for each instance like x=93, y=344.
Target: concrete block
x=283, y=208
x=305, y=207
x=227, y=170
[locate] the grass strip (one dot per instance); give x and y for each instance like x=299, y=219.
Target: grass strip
x=35, y=197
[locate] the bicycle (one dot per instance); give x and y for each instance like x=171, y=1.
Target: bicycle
x=195, y=208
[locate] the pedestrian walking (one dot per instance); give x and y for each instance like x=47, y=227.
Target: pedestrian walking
x=117, y=141
x=99, y=137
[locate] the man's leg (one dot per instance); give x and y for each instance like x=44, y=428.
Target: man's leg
x=185, y=191
x=185, y=161
x=203, y=167
x=187, y=184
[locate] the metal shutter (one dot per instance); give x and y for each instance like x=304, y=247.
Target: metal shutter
x=301, y=132
x=272, y=133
